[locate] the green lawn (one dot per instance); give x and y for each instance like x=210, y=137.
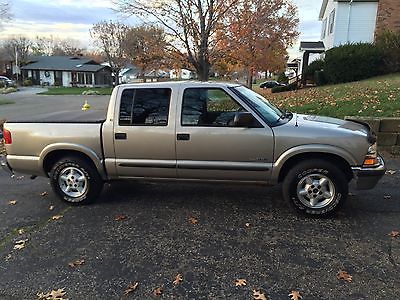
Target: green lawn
x=376, y=97
x=3, y=102
x=76, y=90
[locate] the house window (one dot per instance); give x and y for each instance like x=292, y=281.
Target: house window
x=323, y=33
x=81, y=78
x=89, y=79
x=331, y=21
x=145, y=107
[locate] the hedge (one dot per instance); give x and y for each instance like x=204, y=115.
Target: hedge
x=353, y=62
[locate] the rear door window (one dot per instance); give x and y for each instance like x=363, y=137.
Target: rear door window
x=145, y=107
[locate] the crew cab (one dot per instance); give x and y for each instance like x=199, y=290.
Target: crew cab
x=194, y=131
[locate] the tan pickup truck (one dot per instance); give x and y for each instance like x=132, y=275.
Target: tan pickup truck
x=191, y=131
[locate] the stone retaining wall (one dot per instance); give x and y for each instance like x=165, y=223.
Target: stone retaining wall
x=387, y=130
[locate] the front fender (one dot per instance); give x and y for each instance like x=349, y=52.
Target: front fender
x=310, y=149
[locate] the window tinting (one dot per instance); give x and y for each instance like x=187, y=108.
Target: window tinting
x=149, y=107
x=208, y=107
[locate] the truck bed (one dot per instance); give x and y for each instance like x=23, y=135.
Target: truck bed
x=67, y=116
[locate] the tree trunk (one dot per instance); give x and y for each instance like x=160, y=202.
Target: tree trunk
x=203, y=71
x=249, y=81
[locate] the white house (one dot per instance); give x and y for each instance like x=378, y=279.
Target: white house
x=348, y=21
x=181, y=74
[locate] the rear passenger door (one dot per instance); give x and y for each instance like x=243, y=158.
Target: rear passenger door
x=210, y=147
x=144, y=134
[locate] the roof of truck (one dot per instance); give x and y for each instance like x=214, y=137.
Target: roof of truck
x=191, y=83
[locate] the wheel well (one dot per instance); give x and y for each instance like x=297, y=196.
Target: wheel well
x=52, y=157
x=338, y=161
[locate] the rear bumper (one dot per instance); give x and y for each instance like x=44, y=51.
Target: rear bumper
x=367, y=178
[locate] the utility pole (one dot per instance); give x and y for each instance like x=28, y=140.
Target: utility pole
x=16, y=63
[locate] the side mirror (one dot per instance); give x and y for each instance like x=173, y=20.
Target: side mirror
x=243, y=119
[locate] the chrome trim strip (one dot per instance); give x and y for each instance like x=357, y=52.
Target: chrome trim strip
x=146, y=163
x=194, y=165
x=224, y=166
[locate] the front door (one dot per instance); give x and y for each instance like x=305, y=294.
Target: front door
x=209, y=146
x=144, y=135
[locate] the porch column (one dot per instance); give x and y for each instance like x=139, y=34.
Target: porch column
x=306, y=58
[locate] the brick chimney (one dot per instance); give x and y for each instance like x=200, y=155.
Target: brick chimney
x=388, y=16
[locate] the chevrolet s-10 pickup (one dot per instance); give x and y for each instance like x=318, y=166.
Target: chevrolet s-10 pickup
x=193, y=131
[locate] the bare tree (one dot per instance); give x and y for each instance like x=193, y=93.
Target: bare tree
x=190, y=24
x=110, y=37
x=55, y=46
x=5, y=11
x=18, y=48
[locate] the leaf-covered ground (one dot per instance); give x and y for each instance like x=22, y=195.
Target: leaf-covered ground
x=377, y=97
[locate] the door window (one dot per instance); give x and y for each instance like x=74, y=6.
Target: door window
x=208, y=107
x=144, y=107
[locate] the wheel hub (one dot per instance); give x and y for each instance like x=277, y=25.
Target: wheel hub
x=316, y=191
x=73, y=182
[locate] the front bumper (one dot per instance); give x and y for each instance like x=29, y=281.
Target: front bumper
x=5, y=166
x=367, y=178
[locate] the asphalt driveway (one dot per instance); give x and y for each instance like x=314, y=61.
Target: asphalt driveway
x=210, y=234
x=29, y=103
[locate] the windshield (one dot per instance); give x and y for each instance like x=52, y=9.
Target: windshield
x=271, y=113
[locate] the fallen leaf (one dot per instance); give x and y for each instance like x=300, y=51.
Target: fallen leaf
x=295, y=295
x=131, y=288
x=21, y=231
x=193, y=221
x=120, y=217
x=44, y=194
x=20, y=244
x=390, y=172
x=240, y=282
x=387, y=197
x=53, y=295
x=56, y=217
x=258, y=295
x=51, y=207
x=12, y=202
x=394, y=234
x=157, y=292
x=76, y=263
x=178, y=279
x=343, y=275
x=247, y=225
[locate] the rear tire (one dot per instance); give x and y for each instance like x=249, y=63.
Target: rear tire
x=75, y=181
x=315, y=187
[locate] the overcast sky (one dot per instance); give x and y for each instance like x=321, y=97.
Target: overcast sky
x=74, y=18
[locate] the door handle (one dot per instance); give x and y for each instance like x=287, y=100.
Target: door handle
x=183, y=136
x=120, y=136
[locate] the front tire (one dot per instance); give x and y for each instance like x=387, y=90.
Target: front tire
x=315, y=187
x=75, y=181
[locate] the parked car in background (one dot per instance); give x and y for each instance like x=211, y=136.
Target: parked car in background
x=270, y=84
x=5, y=81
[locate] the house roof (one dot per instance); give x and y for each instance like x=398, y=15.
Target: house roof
x=325, y=4
x=312, y=46
x=62, y=63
